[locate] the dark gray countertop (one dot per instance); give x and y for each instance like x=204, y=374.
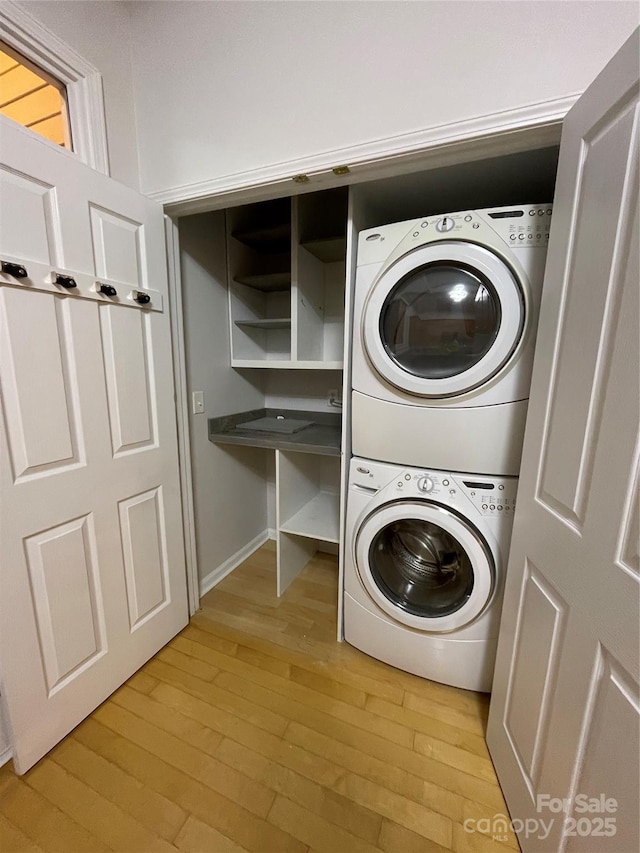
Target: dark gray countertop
x=323, y=437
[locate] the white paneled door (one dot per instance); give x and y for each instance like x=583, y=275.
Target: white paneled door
x=564, y=721
x=92, y=577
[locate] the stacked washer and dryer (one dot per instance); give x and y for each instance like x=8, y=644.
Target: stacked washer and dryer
x=445, y=317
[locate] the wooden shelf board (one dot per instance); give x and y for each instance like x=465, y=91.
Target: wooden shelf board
x=281, y=364
x=270, y=238
x=327, y=249
x=318, y=519
x=279, y=323
x=270, y=282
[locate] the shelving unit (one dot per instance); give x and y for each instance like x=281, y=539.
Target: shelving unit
x=319, y=269
x=259, y=266
x=308, y=509
x=287, y=282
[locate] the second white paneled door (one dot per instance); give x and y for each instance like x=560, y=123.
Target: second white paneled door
x=564, y=727
x=93, y=579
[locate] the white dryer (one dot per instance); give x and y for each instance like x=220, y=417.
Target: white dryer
x=445, y=319
x=425, y=562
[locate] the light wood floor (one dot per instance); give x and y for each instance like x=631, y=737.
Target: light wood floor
x=254, y=730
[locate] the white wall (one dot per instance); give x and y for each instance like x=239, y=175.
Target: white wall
x=222, y=88
x=100, y=33
x=301, y=389
x=229, y=485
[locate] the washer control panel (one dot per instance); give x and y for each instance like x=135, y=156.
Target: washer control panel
x=491, y=496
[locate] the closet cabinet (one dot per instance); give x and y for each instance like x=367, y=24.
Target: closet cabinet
x=285, y=271
x=286, y=278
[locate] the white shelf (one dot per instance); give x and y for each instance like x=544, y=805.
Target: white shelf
x=270, y=238
x=318, y=519
x=276, y=323
x=287, y=365
x=266, y=282
x=327, y=249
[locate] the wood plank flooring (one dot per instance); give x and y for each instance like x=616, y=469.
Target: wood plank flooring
x=254, y=730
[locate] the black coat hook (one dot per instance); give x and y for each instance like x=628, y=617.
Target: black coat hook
x=15, y=270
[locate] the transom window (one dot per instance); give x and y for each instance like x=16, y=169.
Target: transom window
x=33, y=98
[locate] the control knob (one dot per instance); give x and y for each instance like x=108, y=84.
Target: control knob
x=425, y=484
x=445, y=224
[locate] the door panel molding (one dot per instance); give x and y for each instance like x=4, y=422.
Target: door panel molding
x=63, y=563
x=628, y=558
x=584, y=359
x=542, y=621
x=143, y=533
x=128, y=364
x=26, y=199
x=41, y=396
x=118, y=246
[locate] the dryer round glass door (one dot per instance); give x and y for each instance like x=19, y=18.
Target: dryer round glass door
x=424, y=565
x=443, y=319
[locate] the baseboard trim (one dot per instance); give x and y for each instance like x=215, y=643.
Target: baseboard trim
x=233, y=562
x=5, y=756
x=272, y=533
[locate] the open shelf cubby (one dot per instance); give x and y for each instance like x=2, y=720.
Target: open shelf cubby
x=308, y=486
x=287, y=282
x=269, y=238
x=308, y=509
x=259, y=255
x=317, y=519
x=319, y=273
x=327, y=249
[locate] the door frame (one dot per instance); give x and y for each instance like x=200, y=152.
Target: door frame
x=182, y=410
x=524, y=128
x=491, y=136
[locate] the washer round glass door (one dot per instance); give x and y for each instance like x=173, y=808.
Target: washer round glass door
x=424, y=565
x=443, y=319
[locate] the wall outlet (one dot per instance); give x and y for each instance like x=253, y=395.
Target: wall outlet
x=197, y=402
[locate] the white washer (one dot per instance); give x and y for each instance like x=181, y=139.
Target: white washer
x=424, y=569
x=445, y=318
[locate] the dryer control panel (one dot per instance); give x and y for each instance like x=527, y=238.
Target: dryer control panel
x=524, y=226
